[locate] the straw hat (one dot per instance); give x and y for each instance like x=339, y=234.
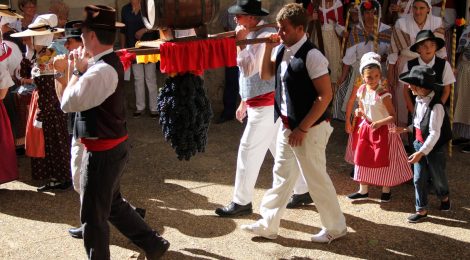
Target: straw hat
x=5, y=10
x=42, y=25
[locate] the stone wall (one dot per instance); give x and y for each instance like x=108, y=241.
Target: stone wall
x=214, y=79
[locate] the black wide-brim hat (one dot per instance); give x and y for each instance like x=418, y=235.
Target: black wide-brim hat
x=101, y=17
x=72, y=31
x=421, y=76
x=248, y=7
x=425, y=35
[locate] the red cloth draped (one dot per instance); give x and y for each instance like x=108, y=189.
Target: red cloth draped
x=8, y=166
x=126, y=58
x=372, y=148
x=197, y=55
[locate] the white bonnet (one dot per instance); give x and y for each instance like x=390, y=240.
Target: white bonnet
x=369, y=58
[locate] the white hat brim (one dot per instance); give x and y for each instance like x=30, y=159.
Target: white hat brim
x=30, y=32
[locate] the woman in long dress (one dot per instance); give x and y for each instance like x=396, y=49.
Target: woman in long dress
x=8, y=165
x=47, y=138
x=461, y=123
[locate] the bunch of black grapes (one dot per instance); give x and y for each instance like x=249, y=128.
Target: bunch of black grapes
x=185, y=114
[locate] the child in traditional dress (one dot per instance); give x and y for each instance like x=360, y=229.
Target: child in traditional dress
x=330, y=15
x=431, y=128
x=427, y=44
x=461, y=124
x=379, y=156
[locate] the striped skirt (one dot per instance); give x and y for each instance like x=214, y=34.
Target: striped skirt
x=398, y=171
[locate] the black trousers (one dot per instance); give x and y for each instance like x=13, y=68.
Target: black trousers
x=230, y=92
x=102, y=202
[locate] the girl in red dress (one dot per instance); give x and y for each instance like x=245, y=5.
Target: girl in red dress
x=379, y=156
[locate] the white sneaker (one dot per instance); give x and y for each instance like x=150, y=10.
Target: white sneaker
x=258, y=230
x=324, y=237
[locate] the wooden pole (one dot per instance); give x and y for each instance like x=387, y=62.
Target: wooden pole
x=343, y=43
x=452, y=87
x=232, y=33
x=443, y=9
x=156, y=50
x=376, y=33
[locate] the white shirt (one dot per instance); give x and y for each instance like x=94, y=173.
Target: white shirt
x=355, y=52
x=5, y=78
x=408, y=25
x=435, y=121
x=317, y=66
x=374, y=108
x=92, y=88
x=250, y=58
x=447, y=75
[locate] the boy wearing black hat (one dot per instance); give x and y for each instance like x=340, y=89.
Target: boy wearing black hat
x=427, y=44
x=431, y=128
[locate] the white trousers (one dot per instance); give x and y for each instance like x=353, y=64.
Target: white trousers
x=259, y=136
x=145, y=74
x=77, y=154
x=310, y=160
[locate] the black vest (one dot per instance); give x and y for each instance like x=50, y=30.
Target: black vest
x=108, y=120
x=300, y=92
x=438, y=67
x=446, y=131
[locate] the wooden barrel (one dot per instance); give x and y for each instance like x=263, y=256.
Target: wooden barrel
x=178, y=14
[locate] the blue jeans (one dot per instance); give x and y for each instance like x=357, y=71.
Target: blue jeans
x=431, y=166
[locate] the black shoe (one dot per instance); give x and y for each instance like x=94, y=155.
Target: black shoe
x=351, y=174
x=55, y=185
x=223, y=119
x=466, y=149
x=297, y=200
x=358, y=195
x=153, y=114
x=20, y=151
x=445, y=205
x=141, y=212
x=162, y=247
x=76, y=232
x=386, y=197
x=233, y=210
x=137, y=114
x=415, y=218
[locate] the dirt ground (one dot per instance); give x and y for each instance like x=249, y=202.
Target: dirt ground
x=180, y=198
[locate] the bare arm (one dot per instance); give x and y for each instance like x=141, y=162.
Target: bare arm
x=408, y=100
x=268, y=66
x=390, y=75
x=445, y=94
x=3, y=93
x=61, y=66
x=344, y=74
x=349, y=108
x=391, y=111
